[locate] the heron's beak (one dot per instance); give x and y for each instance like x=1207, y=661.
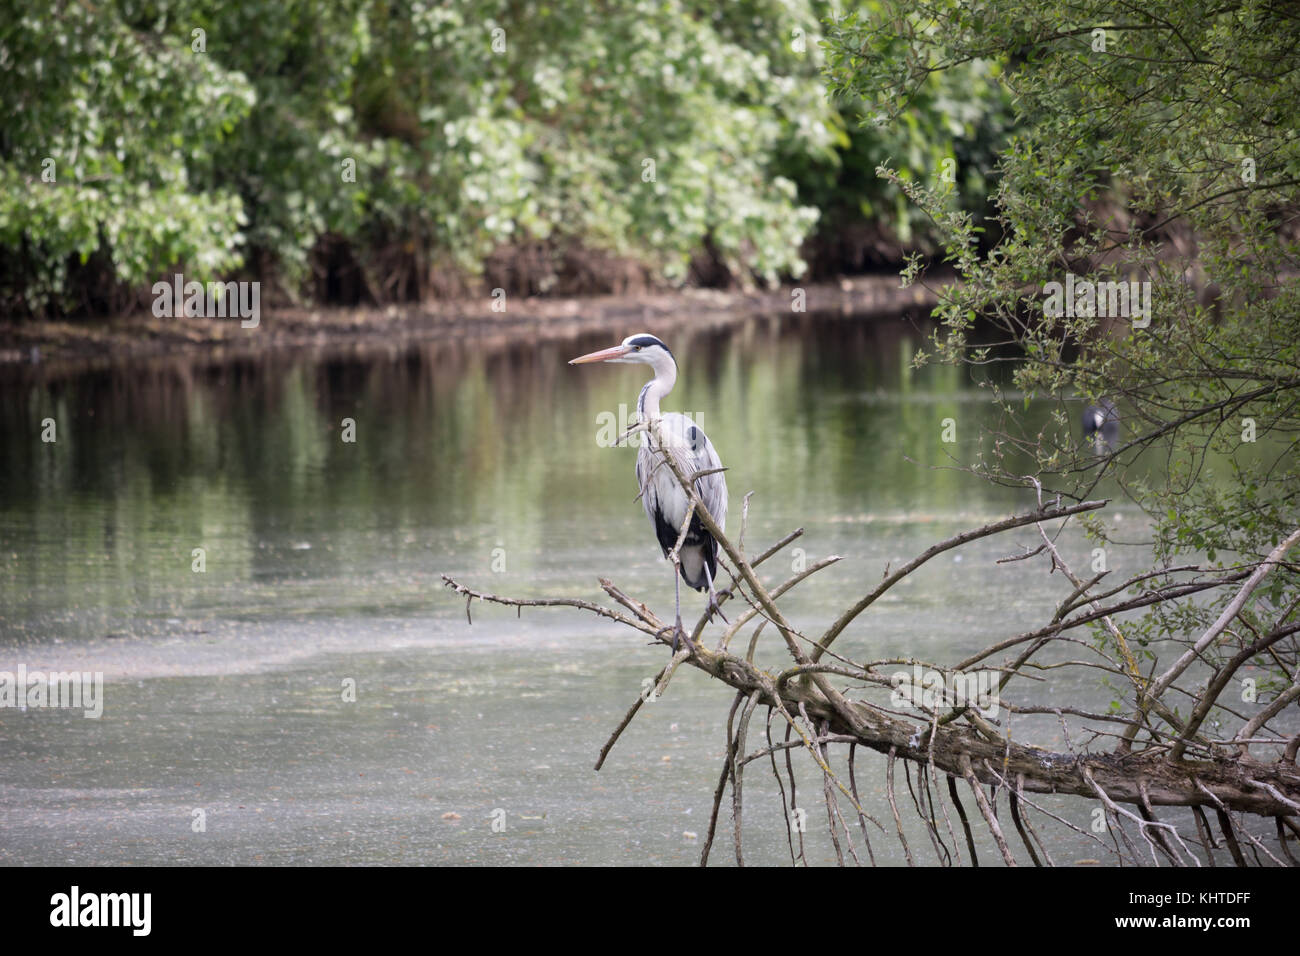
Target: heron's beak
x=604, y=355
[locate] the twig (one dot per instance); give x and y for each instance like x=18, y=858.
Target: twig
x=1161, y=684
x=789, y=769
x=987, y=811
x=965, y=822
x=862, y=821
x=1016, y=521
x=1014, y=802
x=722, y=782
x=893, y=805
x=550, y=602
x=737, y=772
x=771, y=750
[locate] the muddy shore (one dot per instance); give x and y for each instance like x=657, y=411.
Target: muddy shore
x=70, y=346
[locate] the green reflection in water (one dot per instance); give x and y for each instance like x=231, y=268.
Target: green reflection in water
x=322, y=563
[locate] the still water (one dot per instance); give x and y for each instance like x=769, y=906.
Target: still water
x=229, y=734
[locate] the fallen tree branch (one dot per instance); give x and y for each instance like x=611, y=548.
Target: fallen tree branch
x=819, y=715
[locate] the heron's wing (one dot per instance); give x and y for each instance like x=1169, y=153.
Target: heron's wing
x=694, y=453
x=712, y=489
x=664, y=502
x=644, y=466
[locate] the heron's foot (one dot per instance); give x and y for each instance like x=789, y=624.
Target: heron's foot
x=714, y=607
x=680, y=636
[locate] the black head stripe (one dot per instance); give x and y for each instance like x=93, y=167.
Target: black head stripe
x=645, y=341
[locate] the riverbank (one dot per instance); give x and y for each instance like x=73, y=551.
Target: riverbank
x=75, y=345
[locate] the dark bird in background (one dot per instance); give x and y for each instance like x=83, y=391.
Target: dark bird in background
x=664, y=500
x=1101, y=424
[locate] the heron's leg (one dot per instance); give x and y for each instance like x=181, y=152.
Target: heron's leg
x=677, y=598
x=678, y=633
x=713, y=595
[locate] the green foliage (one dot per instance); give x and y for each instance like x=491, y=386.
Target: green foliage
x=470, y=126
x=1155, y=143
x=947, y=132
x=103, y=128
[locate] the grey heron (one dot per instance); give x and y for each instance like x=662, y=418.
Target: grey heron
x=1101, y=424
x=664, y=500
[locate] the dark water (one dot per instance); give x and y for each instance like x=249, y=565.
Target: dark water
x=225, y=693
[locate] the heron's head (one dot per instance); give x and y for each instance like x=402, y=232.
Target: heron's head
x=639, y=349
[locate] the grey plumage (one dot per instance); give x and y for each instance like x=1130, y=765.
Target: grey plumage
x=665, y=502
x=666, y=505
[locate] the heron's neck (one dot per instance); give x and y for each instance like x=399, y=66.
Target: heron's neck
x=647, y=405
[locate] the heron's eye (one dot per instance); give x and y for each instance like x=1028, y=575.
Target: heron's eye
x=637, y=347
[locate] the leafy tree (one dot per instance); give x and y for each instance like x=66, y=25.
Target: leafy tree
x=104, y=128
x=413, y=139
x=1154, y=143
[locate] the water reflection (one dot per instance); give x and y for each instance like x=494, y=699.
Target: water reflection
x=321, y=560
x=151, y=461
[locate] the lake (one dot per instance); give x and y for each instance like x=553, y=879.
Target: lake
x=287, y=680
